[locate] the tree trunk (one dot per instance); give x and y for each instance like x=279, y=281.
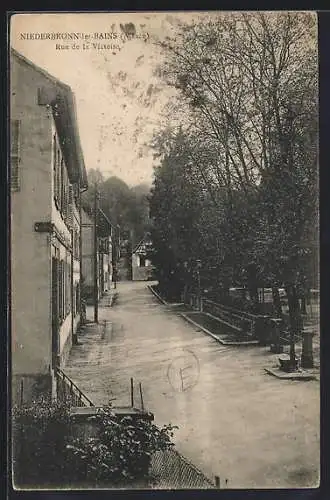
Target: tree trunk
x=252, y=286
x=277, y=302
x=224, y=292
x=303, y=305
x=295, y=318
x=253, y=292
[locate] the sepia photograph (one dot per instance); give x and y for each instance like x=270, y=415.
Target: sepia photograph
x=163, y=179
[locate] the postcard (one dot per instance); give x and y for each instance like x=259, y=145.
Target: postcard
x=164, y=250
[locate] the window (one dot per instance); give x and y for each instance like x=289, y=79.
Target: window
x=57, y=172
x=15, y=155
x=62, y=186
x=60, y=292
x=70, y=201
x=75, y=243
x=77, y=299
x=142, y=261
x=61, y=181
x=67, y=292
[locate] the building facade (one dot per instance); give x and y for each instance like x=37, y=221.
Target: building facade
x=99, y=282
x=142, y=268
x=47, y=176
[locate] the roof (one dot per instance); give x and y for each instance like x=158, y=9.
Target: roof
x=104, y=226
x=145, y=240
x=60, y=97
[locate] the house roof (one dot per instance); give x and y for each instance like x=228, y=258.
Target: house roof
x=104, y=226
x=145, y=239
x=103, y=223
x=60, y=97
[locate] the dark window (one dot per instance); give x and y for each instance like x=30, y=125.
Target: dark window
x=77, y=299
x=60, y=290
x=142, y=261
x=57, y=173
x=55, y=310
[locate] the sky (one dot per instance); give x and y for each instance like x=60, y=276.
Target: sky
x=119, y=100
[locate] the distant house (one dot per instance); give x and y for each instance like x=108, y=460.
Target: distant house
x=103, y=256
x=142, y=268
x=47, y=177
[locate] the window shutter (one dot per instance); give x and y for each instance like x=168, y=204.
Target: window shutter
x=55, y=169
x=70, y=194
x=61, y=290
x=15, y=152
x=70, y=205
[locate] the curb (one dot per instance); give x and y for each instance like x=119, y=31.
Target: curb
x=223, y=321
x=290, y=376
x=208, y=332
x=157, y=295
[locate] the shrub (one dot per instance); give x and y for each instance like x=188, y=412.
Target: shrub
x=46, y=453
x=39, y=432
x=122, y=450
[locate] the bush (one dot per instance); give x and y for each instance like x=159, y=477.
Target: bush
x=46, y=453
x=39, y=431
x=122, y=450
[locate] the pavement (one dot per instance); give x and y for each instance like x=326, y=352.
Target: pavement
x=235, y=420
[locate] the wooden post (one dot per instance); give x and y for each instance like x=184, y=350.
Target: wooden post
x=132, y=393
x=22, y=393
x=141, y=396
x=181, y=379
x=276, y=345
x=307, y=360
x=95, y=258
x=73, y=298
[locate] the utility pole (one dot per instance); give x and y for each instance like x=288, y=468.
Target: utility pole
x=96, y=312
x=116, y=254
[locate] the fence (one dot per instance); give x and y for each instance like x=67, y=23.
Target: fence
x=235, y=319
x=261, y=327
x=241, y=321
x=193, y=300
x=68, y=391
x=170, y=470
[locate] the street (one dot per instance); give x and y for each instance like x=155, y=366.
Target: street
x=235, y=421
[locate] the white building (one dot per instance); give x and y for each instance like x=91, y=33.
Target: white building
x=47, y=177
x=142, y=267
x=102, y=257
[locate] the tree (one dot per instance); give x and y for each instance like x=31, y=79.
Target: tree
x=249, y=83
x=123, y=205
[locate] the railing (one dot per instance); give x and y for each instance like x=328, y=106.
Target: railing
x=251, y=325
x=68, y=391
x=171, y=470
x=238, y=320
x=194, y=301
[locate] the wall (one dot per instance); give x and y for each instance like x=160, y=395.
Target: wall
x=76, y=267
x=140, y=273
x=87, y=256
x=30, y=251
x=70, y=325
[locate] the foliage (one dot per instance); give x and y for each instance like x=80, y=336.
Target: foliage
x=38, y=436
x=121, y=451
x=48, y=453
x=123, y=205
x=239, y=177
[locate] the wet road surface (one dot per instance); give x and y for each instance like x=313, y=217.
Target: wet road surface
x=235, y=421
